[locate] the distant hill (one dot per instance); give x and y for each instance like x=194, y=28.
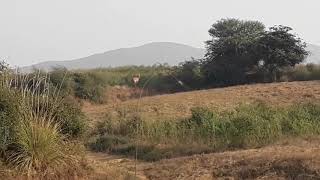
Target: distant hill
x=148, y=54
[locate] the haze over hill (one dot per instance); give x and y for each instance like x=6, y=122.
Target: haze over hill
x=148, y=54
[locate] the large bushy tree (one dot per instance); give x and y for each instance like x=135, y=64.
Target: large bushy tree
x=279, y=48
x=189, y=72
x=239, y=49
x=230, y=52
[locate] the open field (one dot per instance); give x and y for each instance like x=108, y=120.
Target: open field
x=273, y=162
x=178, y=105
x=289, y=159
x=85, y=96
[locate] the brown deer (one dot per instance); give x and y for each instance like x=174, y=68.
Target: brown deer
x=135, y=79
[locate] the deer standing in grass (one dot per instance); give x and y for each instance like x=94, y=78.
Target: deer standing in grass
x=136, y=79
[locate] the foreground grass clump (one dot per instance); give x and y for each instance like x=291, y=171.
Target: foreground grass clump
x=247, y=126
x=40, y=148
x=35, y=134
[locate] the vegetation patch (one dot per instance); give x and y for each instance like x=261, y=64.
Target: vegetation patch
x=248, y=126
x=37, y=138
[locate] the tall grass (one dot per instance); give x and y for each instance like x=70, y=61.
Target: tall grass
x=303, y=73
x=38, y=147
x=248, y=126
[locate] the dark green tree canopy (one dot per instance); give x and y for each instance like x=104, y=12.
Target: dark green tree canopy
x=232, y=37
x=239, y=48
x=189, y=72
x=279, y=48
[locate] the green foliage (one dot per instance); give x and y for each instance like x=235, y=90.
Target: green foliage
x=230, y=52
x=39, y=148
x=71, y=118
x=60, y=77
x=279, y=48
x=106, y=143
x=239, y=52
x=302, y=120
x=240, y=49
x=189, y=72
x=89, y=86
x=31, y=137
x=251, y=126
x=10, y=116
x=248, y=126
x=46, y=99
x=193, y=74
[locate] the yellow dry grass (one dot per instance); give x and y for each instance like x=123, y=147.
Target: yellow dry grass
x=294, y=161
x=289, y=159
x=179, y=104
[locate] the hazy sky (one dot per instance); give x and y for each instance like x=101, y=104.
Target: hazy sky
x=39, y=30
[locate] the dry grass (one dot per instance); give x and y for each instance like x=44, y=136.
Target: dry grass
x=108, y=167
x=289, y=159
x=273, y=162
x=178, y=105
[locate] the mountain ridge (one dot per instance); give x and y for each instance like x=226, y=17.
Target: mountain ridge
x=146, y=54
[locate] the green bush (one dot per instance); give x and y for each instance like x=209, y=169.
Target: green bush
x=88, y=86
x=10, y=116
x=251, y=126
x=63, y=79
x=247, y=126
x=35, y=146
x=302, y=120
x=64, y=111
x=39, y=147
x=203, y=124
x=71, y=118
x=107, y=143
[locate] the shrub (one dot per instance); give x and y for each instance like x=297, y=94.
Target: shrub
x=89, y=86
x=10, y=116
x=303, y=119
x=252, y=126
x=71, y=118
x=107, y=143
x=203, y=123
x=40, y=148
x=62, y=78
x=247, y=126
x=36, y=144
